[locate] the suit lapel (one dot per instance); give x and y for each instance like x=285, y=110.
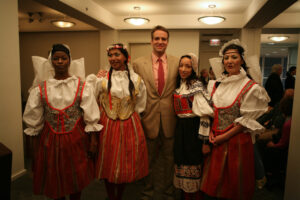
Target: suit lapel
x=149, y=73
x=170, y=64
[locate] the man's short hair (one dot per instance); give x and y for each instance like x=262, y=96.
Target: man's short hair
x=161, y=28
x=276, y=68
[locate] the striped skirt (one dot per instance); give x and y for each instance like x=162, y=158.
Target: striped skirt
x=61, y=166
x=228, y=171
x=122, y=154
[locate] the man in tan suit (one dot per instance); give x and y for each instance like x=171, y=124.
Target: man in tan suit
x=159, y=72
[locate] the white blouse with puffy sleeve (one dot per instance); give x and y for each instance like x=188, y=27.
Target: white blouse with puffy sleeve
x=61, y=93
x=253, y=104
x=119, y=88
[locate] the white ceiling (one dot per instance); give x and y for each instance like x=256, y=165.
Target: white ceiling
x=173, y=14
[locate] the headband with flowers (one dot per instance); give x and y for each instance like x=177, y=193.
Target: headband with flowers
x=116, y=46
x=121, y=47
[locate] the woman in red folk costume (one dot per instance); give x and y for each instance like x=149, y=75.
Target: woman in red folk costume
x=60, y=112
x=238, y=101
x=192, y=128
x=122, y=156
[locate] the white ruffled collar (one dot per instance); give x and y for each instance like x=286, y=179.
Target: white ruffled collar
x=120, y=73
x=56, y=82
x=227, y=79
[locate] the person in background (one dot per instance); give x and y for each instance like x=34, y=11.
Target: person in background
x=192, y=131
x=122, y=151
x=274, y=85
x=237, y=101
x=211, y=74
x=290, y=78
x=63, y=113
x=204, y=77
x=274, y=150
x=159, y=71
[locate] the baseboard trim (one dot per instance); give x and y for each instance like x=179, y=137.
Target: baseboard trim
x=18, y=174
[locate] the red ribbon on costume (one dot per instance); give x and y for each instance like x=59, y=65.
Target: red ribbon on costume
x=60, y=119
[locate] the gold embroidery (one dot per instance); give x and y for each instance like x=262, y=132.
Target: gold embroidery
x=121, y=109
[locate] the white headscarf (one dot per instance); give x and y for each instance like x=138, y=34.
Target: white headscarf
x=252, y=62
x=44, y=70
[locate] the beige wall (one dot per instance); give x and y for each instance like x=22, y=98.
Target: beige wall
x=292, y=187
x=180, y=42
x=82, y=44
x=10, y=90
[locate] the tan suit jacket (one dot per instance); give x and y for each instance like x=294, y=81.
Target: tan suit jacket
x=159, y=109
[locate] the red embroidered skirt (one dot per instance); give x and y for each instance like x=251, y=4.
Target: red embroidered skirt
x=61, y=166
x=229, y=170
x=123, y=156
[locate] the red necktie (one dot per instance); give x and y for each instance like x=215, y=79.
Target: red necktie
x=161, y=76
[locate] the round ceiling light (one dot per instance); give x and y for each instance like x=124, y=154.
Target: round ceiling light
x=211, y=20
x=137, y=21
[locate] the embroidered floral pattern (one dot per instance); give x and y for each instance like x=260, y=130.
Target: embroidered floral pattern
x=227, y=115
x=187, y=177
x=183, y=102
x=64, y=120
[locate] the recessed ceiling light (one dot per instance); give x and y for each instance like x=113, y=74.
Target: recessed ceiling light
x=62, y=23
x=278, y=38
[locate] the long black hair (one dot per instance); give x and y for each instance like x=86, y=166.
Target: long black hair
x=124, y=51
x=193, y=77
x=241, y=52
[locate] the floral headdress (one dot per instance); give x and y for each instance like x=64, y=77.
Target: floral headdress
x=116, y=46
x=123, y=49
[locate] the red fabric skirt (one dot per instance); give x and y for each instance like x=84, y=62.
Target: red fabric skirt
x=123, y=156
x=229, y=170
x=61, y=166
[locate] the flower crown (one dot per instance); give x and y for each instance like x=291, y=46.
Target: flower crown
x=116, y=46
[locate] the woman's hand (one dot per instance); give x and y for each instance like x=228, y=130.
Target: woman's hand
x=211, y=137
x=270, y=144
x=101, y=73
x=220, y=139
x=205, y=149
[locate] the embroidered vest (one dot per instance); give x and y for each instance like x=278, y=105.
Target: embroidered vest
x=116, y=108
x=62, y=120
x=225, y=116
x=183, y=103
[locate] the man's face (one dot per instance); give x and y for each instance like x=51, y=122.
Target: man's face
x=159, y=42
